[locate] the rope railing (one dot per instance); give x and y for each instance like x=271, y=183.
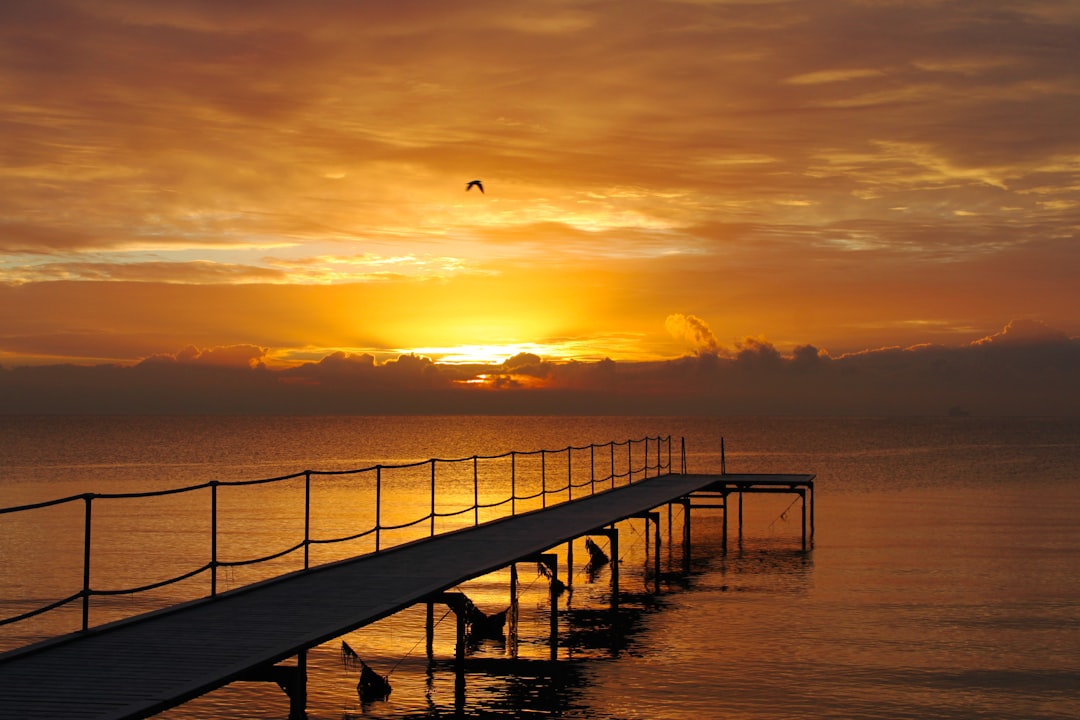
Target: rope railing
x=650, y=462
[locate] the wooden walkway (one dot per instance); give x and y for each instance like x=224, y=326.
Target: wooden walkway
x=138, y=667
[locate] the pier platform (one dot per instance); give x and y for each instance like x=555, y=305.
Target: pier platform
x=140, y=666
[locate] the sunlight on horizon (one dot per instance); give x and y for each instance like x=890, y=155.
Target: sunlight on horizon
x=490, y=354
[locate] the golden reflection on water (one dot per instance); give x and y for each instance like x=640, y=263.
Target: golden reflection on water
x=942, y=583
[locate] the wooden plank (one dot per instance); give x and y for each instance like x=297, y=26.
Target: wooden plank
x=143, y=665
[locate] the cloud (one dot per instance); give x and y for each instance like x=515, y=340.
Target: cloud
x=195, y=272
x=352, y=372
x=694, y=330
x=527, y=364
x=249, y=356
x=1024, y=332
x=1035, y=377
x=830, y=190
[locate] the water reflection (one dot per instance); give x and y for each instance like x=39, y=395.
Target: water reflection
x=510, y=677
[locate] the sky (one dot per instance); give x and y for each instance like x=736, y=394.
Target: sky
x=708, y=206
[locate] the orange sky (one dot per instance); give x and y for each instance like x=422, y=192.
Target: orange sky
x=276, y=183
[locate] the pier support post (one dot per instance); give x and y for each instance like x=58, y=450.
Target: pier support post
x=459, y=646
x=656, y=560
x=459, y=663
x=802, y=494
x=670, y=538
x=685, y=502
x=511, y=635
x=723, y=537
x=569, y=566
x=655, y=518
x=298, y=697
x=551, y=562
x=292, y=679
x=740, y=518
x=614, y=567
x=429, y=626
x=612, y=534
x=458, y=603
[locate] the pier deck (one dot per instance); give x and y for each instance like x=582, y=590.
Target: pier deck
x=138, y=667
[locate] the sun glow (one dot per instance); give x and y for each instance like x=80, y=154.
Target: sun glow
x=485, y=354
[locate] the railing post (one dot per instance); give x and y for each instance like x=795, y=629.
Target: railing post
x=543, y=478
x=87, y=515
x=683, y=455
x=432, y=498
x=213, y=537
x=513, y=482
x=378, y=506
x=569, y=472
x=307, y=519
x=475, y=492
x=630, y=462
x=612, y=446
x=592, y=468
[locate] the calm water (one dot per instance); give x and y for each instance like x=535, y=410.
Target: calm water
x=943, y=582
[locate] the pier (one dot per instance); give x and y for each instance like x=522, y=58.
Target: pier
x=139, y=666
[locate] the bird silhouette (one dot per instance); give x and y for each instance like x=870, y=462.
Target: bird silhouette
x=479, y=185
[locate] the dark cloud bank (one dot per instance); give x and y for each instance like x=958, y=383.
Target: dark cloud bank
x=1027, y=369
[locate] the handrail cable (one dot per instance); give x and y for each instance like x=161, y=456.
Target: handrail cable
x=378, y=528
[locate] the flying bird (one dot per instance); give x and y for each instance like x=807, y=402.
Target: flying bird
x=479, y=185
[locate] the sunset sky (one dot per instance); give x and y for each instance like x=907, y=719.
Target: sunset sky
x=738, y=203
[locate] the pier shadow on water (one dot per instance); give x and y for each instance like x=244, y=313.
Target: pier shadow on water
x=593, y=638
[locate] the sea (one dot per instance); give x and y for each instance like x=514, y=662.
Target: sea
x=942, y=579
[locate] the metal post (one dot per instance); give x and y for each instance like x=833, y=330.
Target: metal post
x=740, y=515
x=645, y=534
x=429, y=627
x=459, y=650
x=378, y=505
x=569, y=564
x=612, y=446
x=592, y=469
x=630, y=462
x=656, y=560
x=432, y=500
x=683, y=456
x=475, y=492
x=670, y=526
x=513, y=483
x=686, y=535
x=569, y=473
x=512, y=634
x=307, y=519
x=614, y=567
x=552, y=561
x=543, y=478
x=298, y=696
x=723, y=459
x=213, y=538
x=802, y=494
x=723, y=540
x=88, y=500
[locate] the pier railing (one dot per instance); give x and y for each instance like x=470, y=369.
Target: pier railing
x=609, y=465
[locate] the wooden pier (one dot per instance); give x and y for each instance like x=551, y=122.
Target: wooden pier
x=140, y=666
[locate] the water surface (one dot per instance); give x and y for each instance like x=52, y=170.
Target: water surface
x=942, y=584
